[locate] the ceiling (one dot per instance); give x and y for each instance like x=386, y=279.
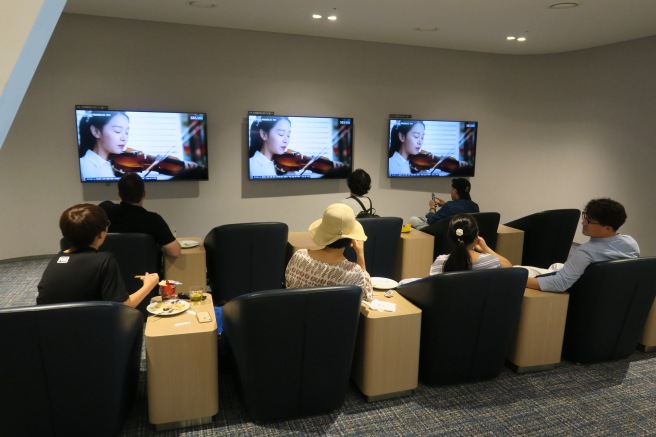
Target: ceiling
x=472, y=25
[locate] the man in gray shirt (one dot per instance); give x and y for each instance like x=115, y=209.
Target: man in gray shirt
x=601, y=220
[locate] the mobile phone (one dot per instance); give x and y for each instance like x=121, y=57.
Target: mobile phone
x=433, y=196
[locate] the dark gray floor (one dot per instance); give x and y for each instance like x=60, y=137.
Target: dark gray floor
x=608, y=399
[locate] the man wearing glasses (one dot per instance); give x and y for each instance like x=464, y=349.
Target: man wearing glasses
x=601, y=220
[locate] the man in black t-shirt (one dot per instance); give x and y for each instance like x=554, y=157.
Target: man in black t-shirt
x=131, y=216
x=81, y=273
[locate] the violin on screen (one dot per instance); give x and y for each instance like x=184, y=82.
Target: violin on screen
x=135, y=161
x=427, y=161
x=295, y=161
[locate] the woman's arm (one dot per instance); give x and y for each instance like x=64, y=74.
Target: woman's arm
x=358, y=246
x=482, y=247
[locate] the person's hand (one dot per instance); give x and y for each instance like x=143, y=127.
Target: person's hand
x=189, y=164
x=432, y=204
x=481, y=245
x=150, y=280
x=337, y=164
x=440, y=202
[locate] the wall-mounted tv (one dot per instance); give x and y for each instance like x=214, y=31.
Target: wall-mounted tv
x=158, y=146
x=427, y=148
x=294, y=147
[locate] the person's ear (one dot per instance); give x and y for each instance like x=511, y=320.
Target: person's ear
x=401, y=137
x=264, y=135
x=95, y=132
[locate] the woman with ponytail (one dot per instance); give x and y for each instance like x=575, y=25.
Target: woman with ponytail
x=470, y=252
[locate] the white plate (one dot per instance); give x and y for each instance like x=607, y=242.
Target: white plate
x=186, y=244
x=152, y=308
x=406, y=280
x=383, y=283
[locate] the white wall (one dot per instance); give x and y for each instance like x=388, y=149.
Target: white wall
x=555, y=130
x=25, y=28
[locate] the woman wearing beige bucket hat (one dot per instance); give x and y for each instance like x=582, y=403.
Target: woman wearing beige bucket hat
x=337, y=230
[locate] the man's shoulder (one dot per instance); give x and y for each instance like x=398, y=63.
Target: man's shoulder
x=108, y=205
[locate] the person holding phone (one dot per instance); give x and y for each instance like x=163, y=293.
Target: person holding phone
x=460, y=203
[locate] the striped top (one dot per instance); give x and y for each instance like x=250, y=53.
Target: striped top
x=305, y=271
x=484, y=261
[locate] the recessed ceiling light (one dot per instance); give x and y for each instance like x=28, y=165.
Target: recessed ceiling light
x=510, y=38
x=564, y=5
x=316, y=16
x=332, y=17
x=426, y=29
x=521, y=39
x=201, y=4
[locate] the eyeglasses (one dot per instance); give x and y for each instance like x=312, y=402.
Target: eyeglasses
x=586, y=219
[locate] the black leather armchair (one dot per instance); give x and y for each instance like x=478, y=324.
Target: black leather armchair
x=548, y=236
x=467, y=323
x=293, y=348
x=488, y=225
x=608, y=307
x=69, y=369
x=135, y=253
x=383, y=235
x=245, y=257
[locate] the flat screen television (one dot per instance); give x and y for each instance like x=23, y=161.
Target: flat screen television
x=159, y=146
x=294, y=147
x=431, y=148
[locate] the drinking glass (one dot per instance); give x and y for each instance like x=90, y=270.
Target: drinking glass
x=196, y=294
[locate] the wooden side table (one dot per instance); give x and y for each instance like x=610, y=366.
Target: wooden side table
x=648, y=340
x=182, y=368
x=189, y=268
x=538, y=342
x=510, y=244
x=386, y=360
x=414, y=255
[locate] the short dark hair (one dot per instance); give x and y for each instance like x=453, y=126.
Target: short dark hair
x=606, y=211
x=463, y=187
x=80, y=224
x=359, y=182
x=340, y=244
x=131, y=188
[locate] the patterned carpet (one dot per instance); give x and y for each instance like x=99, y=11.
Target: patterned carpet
x=608, y=399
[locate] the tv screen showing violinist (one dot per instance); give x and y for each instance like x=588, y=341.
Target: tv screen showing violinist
x=285, y=147
x=427, y=148
x=156, y=145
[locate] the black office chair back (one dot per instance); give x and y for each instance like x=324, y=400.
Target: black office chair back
x=468, y=322
x=380, y=249
x=136, y=254
x=245, y=257
x=488, y=225
x=608, y=308
x=69, y=369
x=548, y=236
x=293, y=348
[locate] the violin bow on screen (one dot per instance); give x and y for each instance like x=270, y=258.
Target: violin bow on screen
x=314, y=158
x=443, y=157
x=158, y=159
